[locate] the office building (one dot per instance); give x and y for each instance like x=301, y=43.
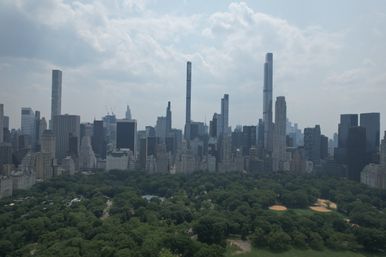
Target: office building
x=48, y=143
x=28, y=125
x=356, y=152
x=312, y=144
x=127, y=135
x=66, y=129
x=56, y=94
x=371, y=122
x=98, y=139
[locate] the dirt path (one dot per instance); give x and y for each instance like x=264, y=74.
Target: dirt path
x=244, y=246
x=106, y=211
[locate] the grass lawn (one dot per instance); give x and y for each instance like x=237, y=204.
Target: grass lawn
x=295, y=253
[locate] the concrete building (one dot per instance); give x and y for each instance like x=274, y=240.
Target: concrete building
x=128, y=114
x=225, y=115
x=267, y=102
x=66, y=127
x=48, y=143
x=374, y=175
x=188, y=118
x=87, y=159
x=117, y=160
x=56, y=95
x=279, y=153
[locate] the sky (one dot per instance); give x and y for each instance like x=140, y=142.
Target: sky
x=329, y=57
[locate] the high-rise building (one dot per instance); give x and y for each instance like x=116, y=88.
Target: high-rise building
x=36, y=138
x=161, y=128
x=48, y=143
x=356, y=152
x=1, y=123
x=168, y=118
x=267, y=102
x=323, y=147
x=87, y=158
x=98, y=139
x=66, y=127
x=279, y=154
x=188, y=118
x=347, y=121
x=249, y=139
x=128, y=114
x=28, y=124
x=225, y=114
x=371, y=122
x=312, y=144
x=56, y=94
x=127, y=135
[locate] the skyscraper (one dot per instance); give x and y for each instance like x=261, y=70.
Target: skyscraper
x=66, y=127
x=279, y=135
x=312, y=144
x=168, y=118
x=1, y=123
x=127, y=135
x=56, y=97
x=371, y=122
x=356, y=152
x=28, y=124
x=98, y=139
x=225, y=114
x=267, y=102
x=188, y=100
x=347, y=121
x=128, y=113
x=48, y=143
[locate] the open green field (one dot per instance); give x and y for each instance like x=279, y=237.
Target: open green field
x=297, y=253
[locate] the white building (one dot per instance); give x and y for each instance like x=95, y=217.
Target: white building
x=117, y=160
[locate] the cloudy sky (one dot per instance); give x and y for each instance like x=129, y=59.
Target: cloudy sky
x=329, y=57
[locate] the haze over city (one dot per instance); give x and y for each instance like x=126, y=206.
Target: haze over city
x=329, y=60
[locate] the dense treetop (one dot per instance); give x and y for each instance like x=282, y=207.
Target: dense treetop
x=188, y=215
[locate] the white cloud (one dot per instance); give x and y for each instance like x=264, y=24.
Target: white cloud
x=119, y=52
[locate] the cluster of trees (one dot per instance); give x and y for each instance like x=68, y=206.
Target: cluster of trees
x=191, y=216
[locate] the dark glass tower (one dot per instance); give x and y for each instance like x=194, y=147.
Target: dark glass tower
x=126, y=135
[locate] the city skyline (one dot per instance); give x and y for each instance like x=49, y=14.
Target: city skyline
x=348, y=82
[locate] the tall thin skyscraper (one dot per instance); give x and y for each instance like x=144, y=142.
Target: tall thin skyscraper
x=128, y=114
x=188, y=119
x=56, y=97
x=225, y=114
x=1, y=123
x=279, y=135
x=267, y=102
x=168, y=118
